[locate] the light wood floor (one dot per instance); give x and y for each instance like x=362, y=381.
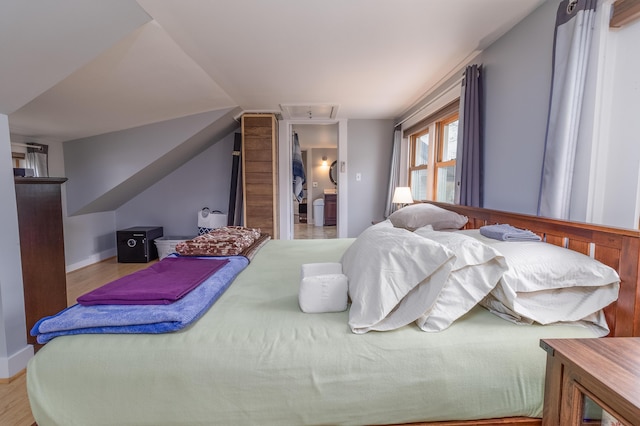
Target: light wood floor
x=14, y=404
x=306, y=231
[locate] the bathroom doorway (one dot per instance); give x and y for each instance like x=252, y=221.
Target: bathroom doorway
x=315, y=216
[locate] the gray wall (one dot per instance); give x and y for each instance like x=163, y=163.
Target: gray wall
x=517, y=77
x=107, y=170
x=319, y=173
x=621, y=194
x=13, y=337
x=173, y=202
x=369, y=154
x=115, y=157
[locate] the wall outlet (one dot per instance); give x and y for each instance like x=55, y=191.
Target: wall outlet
x=315, y=184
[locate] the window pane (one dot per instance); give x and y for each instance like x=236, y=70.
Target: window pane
x=422, y=149
x=446, y=184
x=450, y=141
x=419, y=184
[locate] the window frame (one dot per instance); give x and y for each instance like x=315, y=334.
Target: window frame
x=17, y=157
x=434, y=126
x=412, y=154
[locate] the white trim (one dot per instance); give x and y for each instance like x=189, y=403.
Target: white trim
x=343, y=199
x=26, y=145
x=636, y=213
x=457, y=70
x=95, y=258
x=420, y=113
x=285, y=179
x=287, y=114
x=17, y=362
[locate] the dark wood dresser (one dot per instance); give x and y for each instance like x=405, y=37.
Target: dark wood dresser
x=41, y=248
x=592, y=381
x=330, y=209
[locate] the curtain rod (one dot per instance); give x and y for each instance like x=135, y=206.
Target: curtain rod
x=26, y=145
x=459, y=70
x=431, y=101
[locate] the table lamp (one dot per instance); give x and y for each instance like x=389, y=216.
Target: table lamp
x=402, y=196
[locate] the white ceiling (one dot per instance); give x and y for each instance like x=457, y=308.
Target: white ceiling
x=77, y=68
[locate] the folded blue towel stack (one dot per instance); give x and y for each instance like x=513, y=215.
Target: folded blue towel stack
x=151, y=319
x=505, y=232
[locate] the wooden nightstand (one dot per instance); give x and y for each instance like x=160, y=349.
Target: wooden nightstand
x=585, y=376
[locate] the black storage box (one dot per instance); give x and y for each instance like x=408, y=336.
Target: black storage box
x=136, y=245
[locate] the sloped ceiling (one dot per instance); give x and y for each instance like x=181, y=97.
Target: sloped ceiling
x=142, y=79
x=77, y=68
x=42, y=43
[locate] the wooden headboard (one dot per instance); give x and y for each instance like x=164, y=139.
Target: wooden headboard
x=616, y=247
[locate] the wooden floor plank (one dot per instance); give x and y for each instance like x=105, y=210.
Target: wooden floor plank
x=14, y=403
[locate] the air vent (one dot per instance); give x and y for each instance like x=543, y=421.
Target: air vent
x=309, y=111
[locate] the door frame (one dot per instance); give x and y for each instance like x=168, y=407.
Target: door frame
x=285, y=176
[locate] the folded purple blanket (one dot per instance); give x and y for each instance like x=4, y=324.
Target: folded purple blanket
x=160, y=284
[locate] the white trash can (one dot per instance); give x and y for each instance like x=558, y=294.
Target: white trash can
x=318, y=212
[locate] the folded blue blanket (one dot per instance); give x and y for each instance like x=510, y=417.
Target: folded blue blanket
x=153, y=319
x=506, y=232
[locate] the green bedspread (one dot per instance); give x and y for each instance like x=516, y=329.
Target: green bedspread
x=255, y=358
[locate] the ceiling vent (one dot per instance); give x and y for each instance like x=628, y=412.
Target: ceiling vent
x=309, y=111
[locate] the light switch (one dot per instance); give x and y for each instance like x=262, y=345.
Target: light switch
x=358, y=177
x=315, y=184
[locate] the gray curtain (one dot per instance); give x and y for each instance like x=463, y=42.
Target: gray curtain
x=572, y=42
x=37, y=158
x=469, y=161
x=394, y=173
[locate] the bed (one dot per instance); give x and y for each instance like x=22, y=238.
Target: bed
x=255, y=358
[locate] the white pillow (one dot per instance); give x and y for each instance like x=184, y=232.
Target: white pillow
x=476, y=271
x=547, y=284
x=596, y=321
x=382, y=224
x=394, y=277
x=418, y=215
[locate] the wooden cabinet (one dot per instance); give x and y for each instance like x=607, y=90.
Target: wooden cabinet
x=330, y=209
x=41, y=248
x=260, y=172
x=592, y=381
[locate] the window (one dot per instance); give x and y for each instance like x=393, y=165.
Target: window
x=432, y=154
x=419, y=165
x=445, y=166
x=18, y=159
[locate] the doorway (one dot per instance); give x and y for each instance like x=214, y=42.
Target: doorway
x=315, y=217
x=285, y=175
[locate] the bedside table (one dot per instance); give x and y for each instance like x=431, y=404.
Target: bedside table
x=586, y=376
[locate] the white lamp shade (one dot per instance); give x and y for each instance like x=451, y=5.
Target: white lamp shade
x=402, y=195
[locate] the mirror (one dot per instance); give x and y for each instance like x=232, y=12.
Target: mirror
x=333, y=172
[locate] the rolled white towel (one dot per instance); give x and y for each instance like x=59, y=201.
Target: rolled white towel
x=323, y=288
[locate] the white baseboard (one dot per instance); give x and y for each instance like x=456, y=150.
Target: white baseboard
x=17, y=362
x=95, y=258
